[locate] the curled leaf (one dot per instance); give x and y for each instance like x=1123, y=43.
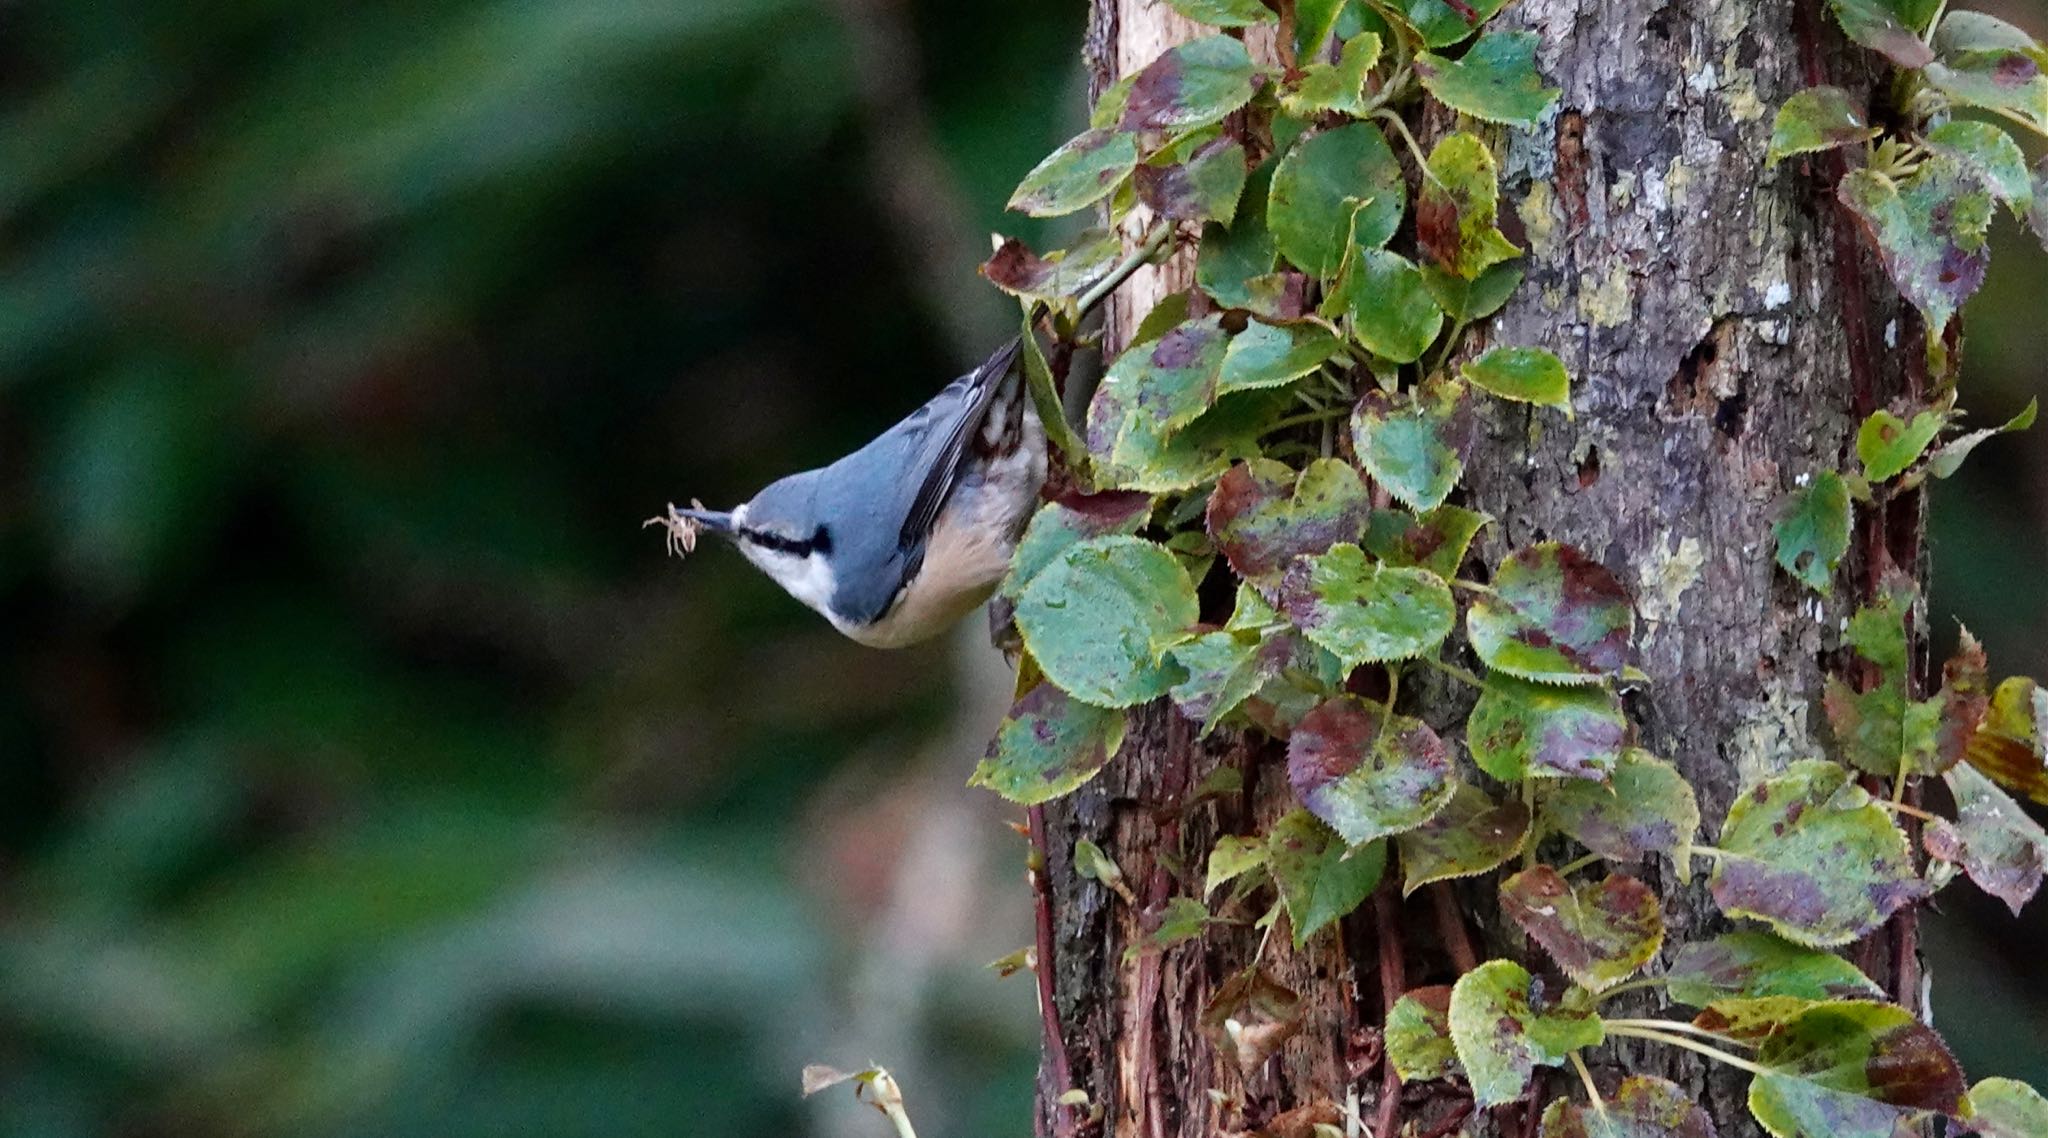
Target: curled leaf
x=1819, y=118
x=1419, y=1035
x=2002, y=849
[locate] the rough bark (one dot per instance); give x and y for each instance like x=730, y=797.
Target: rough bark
x=1724, y=328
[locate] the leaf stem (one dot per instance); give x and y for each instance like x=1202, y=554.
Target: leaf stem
x=1472, y=587
x=1636, y=985
x=1692, y=1045
x=1570, y=868
x=1414, y=147
x=1454, y=671
x=888, y=1098
x=1529, y=804
x=1899, y=807
x=1307, y=417
x=1680, y=1026
x=1586, y=1077
x=1131, y=263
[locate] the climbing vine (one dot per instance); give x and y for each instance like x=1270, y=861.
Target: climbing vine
x=1295, y=427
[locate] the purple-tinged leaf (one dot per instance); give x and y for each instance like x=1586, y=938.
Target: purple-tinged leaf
x=1990, y=154
x=1555, y=616
x=1879, y=25
x=1932, y=230
x=1965, y=700
x=1503, y=1027
x=1599, y=932
x=1262, y=516
x=1365, y=612
x=1077, y=175
x=1070, y=521
x=1368, y=774
x=2006, y=1108
x=2002, y=849
x=1198, y=182
x=1049, y=744
x=1520, y=730
x=1194, y=84
x=1816, y=119
x=1756, y=965
x=1645, y=808
x=1853, y=1070
x=1419, y=1035
x=1413, y=443
x=1982, y=61
x=1644, y=1106
x=1457, y=215
x=1437, y=540
x=1811, y=854
x=1061, y=275
x=1471, y=835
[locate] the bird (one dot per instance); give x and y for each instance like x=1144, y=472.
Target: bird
x=896, y=541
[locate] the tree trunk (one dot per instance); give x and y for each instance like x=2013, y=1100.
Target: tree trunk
x=1725, y=329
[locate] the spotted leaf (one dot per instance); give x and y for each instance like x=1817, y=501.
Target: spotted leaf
x=1990, y=154
x=1049, y=744
x=1436, y=540
x=1812, y=531
x=1554, y=616
x=1646, y=807
x=1504, y=1027
x=1058, y=276
x=1520, y=729
x=2012, y=741
x=1192, y=85
x=1457, y=214
x=1419, y=1035
x=1644, y=1106
x=1600, y=932
x=1197, y=181
x=1756, y=965
x=2002, y=849
x=1885, y=27
x=1264, y=356
x=1495, y=80
x=1365, y=772
x=1077, y=175
x=1364, y=612
x=1470, y=835
x=1931, y=229
x=1413, y=443
x=1070, y=521
x=1852, y=1070
x=1887, y=444
x=1262, y=515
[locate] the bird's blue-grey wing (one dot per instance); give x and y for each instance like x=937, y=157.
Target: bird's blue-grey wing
x=979, y=388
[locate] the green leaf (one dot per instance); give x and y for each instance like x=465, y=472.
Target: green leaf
x=1182, y=919
x=1320, y=878
x=1090, y=862
x=1141, y=457
x=1812, y=854
x=2002, y=849
x=1852, y=1070
x=1816, y=119
x=1049, y=744
x=1555, y=616
x=1446, y=22
x=2011, y=743
x=1881, y=26
x=1982, y=61
x=1338, y=86
x=1412, y=443
x=1232, y=858
x=1168, y=383
x=1098, y=617
x=1600, y=932
x=1087, y=169
x=1875, y=730
x=1948, y=457
x=1231, y=256
x=1365, y=612
x=1321, y=183
x=1313, y=22
x=1457, y=216
x=1267, y=356
x=1644, y=1106
x=1392, y=313
x=1520, y=730
x=1502, y=1030
x=1418, y=1035
x=1525, y=375
x=1224, y=669
x=1198, y=182
x=1225, y=13
x=1194, y=84
x=1262, y=516
x=1990, y=154
x=1368, y=774
x=1646, y=808
x=2037, y=217
x=1058, y=525
x=1812, y=531
x=1756, y=965
x=1437, y=540
x=1932, y=230
x=1496, y=80
x=1887, y=444
x=1472, y=300
x=1471, y=835
x=1061, y=275
x=2006, y=1108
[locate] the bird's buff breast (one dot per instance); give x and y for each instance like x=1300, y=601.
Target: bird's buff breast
x=963, y=564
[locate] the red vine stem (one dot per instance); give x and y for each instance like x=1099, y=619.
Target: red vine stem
x=1055, y=1042
x=1393, y=981
x=1451, y=927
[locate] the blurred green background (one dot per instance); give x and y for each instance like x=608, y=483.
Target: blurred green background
x=364, y=769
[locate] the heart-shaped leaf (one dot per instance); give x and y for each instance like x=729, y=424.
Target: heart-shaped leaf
x=1437, y=540
x=1503, y=1030
x=1325, y=180
x=2002, y=849
x=2006, y=1108
x=1809, y=852
x=1068, y=522
x=1812, y=531
x=1853, y=1070
x=1192, y=85
x=1197, y=181
x=1267, y=356
x=1320, y=878
x=1644, y=1106
x=1470, y=835
x=1419, y=1035
x=1412, y=443
x=1364, y=612
x=1555, y=616
x=1457, y=216
x=1600, y=932
x=1752, y=965
x=1392, y=313
x=1525, y=375
x=1932, y=230
x=1819, y=118
x=1495, y=80
x=1049, y=744
x=1084, y=171
x=1262, y=517
x=1099, y=617
x=1645, y=808
x=1445, y=22
x=1161, y=386
x=1367, y=773
x=1520, y=729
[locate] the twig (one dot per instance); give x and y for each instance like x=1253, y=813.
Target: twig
x=1450, y=925
x=1055, y=1042
x=1393, y=981
x=1131, y=263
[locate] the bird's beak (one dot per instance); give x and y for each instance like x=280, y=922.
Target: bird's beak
x=713, y=521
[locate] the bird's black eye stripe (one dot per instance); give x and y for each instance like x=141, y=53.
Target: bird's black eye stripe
x=820, y=541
